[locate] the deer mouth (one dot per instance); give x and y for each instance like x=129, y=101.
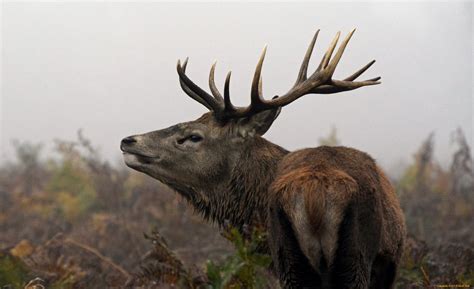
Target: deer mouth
x=138, y=162
x=134, y=158
x=142, y=158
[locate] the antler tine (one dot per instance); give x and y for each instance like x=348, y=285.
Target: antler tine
x=256, y=97
x=195, y=91
x=349, y=85
x=343, y=85
x=325, y=60
x=375, y=79
x=212, y=84
x=228, y=106
x=359, y=72
x=340, y=51
x=187, y=90
x=302, y=75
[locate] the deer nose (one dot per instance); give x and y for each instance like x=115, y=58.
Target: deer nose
x=128, y=140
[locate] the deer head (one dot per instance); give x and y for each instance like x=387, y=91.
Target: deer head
x=201, y=155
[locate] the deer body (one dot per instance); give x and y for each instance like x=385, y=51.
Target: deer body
x=344, y=218
x=332, y=217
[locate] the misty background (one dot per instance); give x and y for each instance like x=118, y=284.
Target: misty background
x=74, y=216
x=110, y=69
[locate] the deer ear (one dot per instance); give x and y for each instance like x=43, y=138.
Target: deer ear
x=258, y=123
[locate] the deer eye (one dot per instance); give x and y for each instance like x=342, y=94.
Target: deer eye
x=195, y=138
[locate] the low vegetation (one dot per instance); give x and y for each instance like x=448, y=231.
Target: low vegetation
x=72, y=220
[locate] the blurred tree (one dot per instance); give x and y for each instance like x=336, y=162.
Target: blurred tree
x=28, y=168
x=424, y=174
x=331, y=139
x=423, y=159
x=461, y=166
x=72, y=189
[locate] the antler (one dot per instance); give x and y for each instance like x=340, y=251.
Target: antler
x=319, y=82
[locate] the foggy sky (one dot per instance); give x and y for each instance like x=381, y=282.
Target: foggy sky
x=110, y=69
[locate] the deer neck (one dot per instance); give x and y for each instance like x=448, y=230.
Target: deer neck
x=242, y=199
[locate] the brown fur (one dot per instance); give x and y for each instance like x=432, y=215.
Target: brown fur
x=394, y=221
x=313, y=185
x=330, y=180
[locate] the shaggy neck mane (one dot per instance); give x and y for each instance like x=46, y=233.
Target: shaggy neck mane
x=242, y=199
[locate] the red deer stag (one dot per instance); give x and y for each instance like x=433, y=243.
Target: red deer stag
x=332, y=217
